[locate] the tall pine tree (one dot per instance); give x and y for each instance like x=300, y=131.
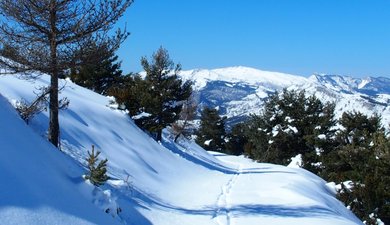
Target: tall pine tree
x=155, y=101
x=41, y=37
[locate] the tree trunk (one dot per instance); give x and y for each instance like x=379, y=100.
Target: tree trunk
x=53, y=132
x=159, y=135
x=177, y=137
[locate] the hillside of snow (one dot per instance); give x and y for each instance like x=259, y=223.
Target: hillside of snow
x=39, y=184
x=240, y=91
x=150, y=183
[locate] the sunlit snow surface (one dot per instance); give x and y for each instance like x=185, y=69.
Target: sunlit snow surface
x=151, y=183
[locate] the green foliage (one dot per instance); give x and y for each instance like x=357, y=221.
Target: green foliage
x=358, y=129
x=97, y=170
x=362, y=156
x=130, y=93
x=167, y=92
x=97, y=68
x=236, y=140
x=160, y=95
x=354, y=145
x=291, y=124
x=211, y=134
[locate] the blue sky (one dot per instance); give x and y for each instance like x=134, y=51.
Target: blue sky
x=302, y=37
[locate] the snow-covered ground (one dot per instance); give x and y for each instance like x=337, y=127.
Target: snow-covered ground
x=151, y=183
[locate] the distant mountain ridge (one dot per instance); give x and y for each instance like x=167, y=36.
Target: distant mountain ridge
x=240, y=91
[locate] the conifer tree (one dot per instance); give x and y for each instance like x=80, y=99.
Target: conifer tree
x=362, y=157
x=211, y=134
x=236, y=139
x=41, y=37
x=155, y=101
x=97, y=68
x=164, y=95
x=97, y=170
x=291, y=124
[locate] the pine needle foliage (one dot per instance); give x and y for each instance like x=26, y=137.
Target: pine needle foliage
x=211, y=133
x=97, y=170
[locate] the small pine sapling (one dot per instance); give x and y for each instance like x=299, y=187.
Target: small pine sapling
x=97, y=173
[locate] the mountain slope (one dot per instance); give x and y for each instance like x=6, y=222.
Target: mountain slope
x=240, y=91
x=153, y=183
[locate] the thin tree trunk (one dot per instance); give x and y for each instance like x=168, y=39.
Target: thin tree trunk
x=53, y=132
x=159, y=135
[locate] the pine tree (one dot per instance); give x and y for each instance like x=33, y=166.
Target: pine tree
x=211, y=134
x=291, y=124
x=165, y=93
x=236, y=139
x=97, y=170
x=362, y=156
x=98, y=68
x=41, y=37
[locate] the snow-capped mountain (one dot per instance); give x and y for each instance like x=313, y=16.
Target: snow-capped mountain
x=240, y=91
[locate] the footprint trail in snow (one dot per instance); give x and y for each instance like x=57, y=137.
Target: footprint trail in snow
x=222, y=214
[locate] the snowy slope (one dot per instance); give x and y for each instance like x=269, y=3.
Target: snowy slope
x=240, y=91
x=152, y=183
x=39, y=184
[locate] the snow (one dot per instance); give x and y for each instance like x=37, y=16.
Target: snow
x=291, y=128
x=150, y=183
x=240, y=74
x=207, y=142
x=296, y=162
x=39, y=184
x=364, y=83
x=141, y=115
x=321, y=136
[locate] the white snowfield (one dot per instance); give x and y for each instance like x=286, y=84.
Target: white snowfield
x=151, y=183
x=242, y=74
